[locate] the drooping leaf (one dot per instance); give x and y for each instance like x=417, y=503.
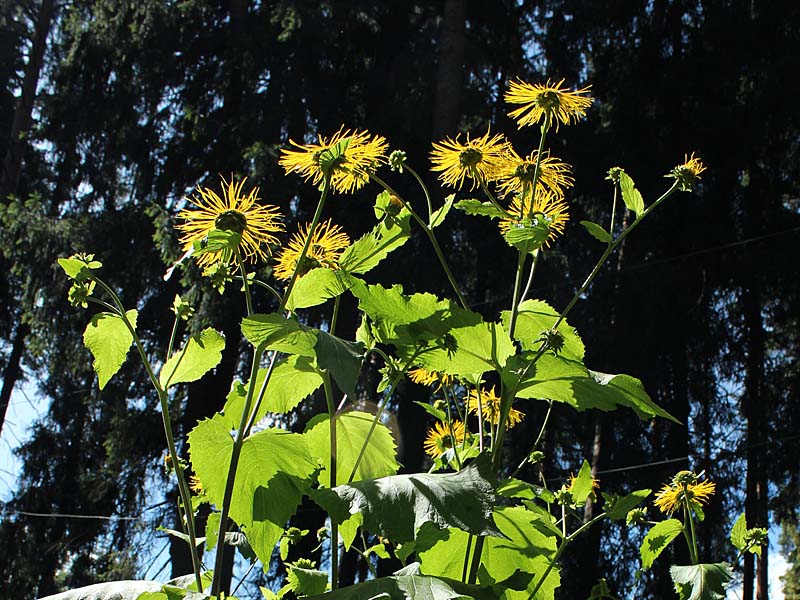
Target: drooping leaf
x=342, y=359
x=408, y=587
x=658, y=538
x=582, y=485
x=202, y=353
x=108, y=339
x=276, y=332
x=534, y=318
x=562, y=380
x=527, y=235
x=701, y=582
x=515, y=488
x=368, y=251
x=630, y=195
x=274, y=471
x=618, y=508
x=317, y=286
x=438, y=216
x=352, y=429
x=596, y=231
x=114, y=590
x=738, y=533
x=396, y=507
x=523, y=548
x=217, y=240
x=478, y=208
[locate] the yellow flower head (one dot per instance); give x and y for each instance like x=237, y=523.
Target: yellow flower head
x=423, y=377
x=440, y=438
x=327, y=243
x=490, y=405
x=478, y=159
x=515, y=176
x=686, y=488
x=196, y=485
x=687, y=174
x=361, y=154
x=549, y=103
x=233, y=212
x=545, y=205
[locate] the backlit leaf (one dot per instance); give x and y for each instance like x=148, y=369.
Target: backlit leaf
x=108, y=339
x=202, y=353
x=658, y=538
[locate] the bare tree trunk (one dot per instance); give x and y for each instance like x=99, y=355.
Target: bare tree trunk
x=449, y=78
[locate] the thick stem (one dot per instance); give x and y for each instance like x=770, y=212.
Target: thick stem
x=245, y=283
x=531, y=273
x=424, y=190
x=516, y=294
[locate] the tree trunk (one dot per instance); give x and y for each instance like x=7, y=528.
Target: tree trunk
x=450, y=69
x=12, y=370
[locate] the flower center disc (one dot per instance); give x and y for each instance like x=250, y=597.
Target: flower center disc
x=231, y=220
x=470, y=157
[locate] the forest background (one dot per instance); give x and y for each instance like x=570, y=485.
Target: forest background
x=111, y=112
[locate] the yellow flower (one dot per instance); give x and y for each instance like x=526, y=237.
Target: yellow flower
x=573, y=479
x=685, y=488
x=477, y=159
x=549, y=103
x=424, y=377
x=490, y=404
x=546, y=204
x=233, y=212
x=327, y=243
x=688, y=173
x=515, y=176
x=440, y=438
x=196, y=485
x=361, y=156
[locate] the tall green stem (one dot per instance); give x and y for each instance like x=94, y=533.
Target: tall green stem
x=183, y=488
x=332, y=481
x=516, y=294
x=431, y=237
x=424, y=190
x=245, y=283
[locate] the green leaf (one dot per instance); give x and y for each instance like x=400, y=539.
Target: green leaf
x=274, y=471
x=527, y=235
x=597, y=232
x=317, y=286
x=202, y=353
x=523, y=548
x=515, y=488
x=77, y=267
x=410, y=587
x=582, y=485
x=217, y=240
x=658, y=538
x=618, y=508
x=738, y=533
x=368, y=251
x=292, y=380
x=306, y=582
x=568, y=381
x=273, y=331
x=396, y=507
x=534, y=318
x=114, y=590
x=438, y=216
x=701, y=582
x=108, y=339
x=351, y=431
x=342, y=359
x=483, y=209
x=212, y=530
x=630, y=195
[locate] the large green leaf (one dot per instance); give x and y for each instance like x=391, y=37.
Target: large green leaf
x=701, y=582
x=342, y=359
x=738, y=533
x=534, y=318
x=114, y=590
x=582, y=485
x=352, y=429
x=410, y=587
x=484, y=209
x=202, y=353
x=368, y=251
x=439, y=215
x=523, y=548
x=317, y=286
x=108, y=339
x=273, y=331
x=292, y=380
x=658, y=538
x=274, y=471
x=396, y=507
x=562, y=380
x=618, y=508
